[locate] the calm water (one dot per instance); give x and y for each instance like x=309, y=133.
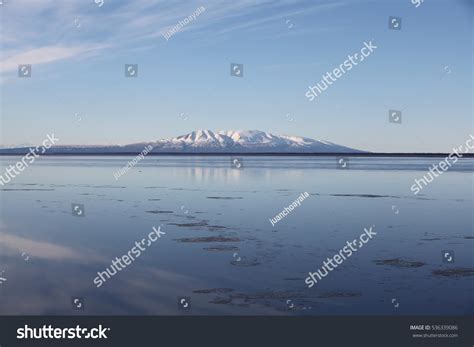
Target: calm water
x=249, y=267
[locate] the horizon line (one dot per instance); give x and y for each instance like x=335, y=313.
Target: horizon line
x=284, y=154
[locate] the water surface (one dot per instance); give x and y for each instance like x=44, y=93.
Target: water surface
x=220, y=248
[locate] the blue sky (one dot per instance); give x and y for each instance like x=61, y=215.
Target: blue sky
x=78, y=50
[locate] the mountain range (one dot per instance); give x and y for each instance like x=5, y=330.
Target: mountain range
x=207, y=141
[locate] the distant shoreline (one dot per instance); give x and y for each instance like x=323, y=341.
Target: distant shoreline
x=369, y=155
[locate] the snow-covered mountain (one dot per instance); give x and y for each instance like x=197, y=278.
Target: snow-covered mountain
x=207, y=141
x=246, y=141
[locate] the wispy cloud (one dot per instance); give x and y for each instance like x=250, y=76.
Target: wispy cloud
x=47, y=31
x=44, y=55
x=283, y=14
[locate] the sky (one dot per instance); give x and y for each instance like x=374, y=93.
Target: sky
x=78, y=90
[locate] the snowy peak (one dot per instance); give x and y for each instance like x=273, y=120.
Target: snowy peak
x=199, y=136
x=251, y=141
x=248, y=136
x=202, y=138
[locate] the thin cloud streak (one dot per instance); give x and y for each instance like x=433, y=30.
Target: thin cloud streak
x=45, y=55
x=121, y=26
